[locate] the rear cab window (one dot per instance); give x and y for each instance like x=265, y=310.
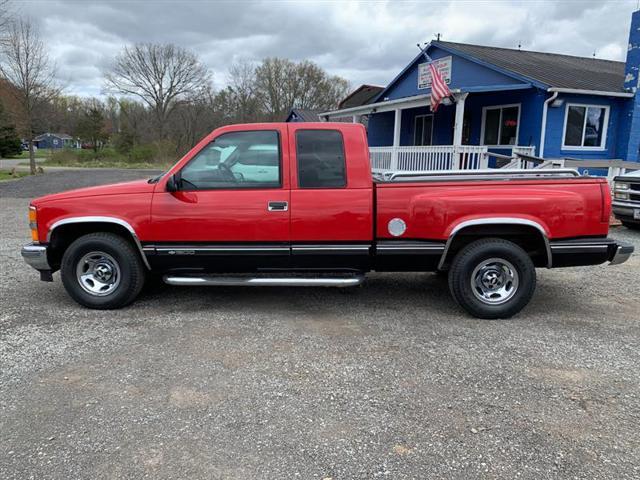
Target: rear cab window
x=321, y=159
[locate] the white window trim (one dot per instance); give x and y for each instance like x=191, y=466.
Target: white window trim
x=500, y=107
x=605, y=127
x=415, y=127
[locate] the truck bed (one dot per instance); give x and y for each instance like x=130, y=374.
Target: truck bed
x=433, y=204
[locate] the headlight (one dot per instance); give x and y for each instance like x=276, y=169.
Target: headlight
x=621, y=196
x=33, y=223
x=621, y=186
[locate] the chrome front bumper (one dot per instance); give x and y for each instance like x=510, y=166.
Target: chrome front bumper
x=36, y=256
x=626, y=210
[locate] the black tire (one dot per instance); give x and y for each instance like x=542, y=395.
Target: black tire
x=487, y=255
x=120, y=255
x=632, y=226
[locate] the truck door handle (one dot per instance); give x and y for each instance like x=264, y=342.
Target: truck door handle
x=278, y=206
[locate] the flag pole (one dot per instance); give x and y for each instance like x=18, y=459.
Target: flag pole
x=424, y=51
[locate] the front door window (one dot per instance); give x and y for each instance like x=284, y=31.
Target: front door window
x=423, y=130
x=500, y=125
x=248, y=159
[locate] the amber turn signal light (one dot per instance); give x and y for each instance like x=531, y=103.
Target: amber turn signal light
x=33, y=223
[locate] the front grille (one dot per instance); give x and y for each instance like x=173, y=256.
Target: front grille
x=635, y=197
x=635, y=186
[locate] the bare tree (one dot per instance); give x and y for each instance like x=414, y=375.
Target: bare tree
x=315, y=90
x=159, y=75
x=241, y=92
x=92, y=125
x=5, y=18
x=272, y=82
x=25, y=64
x=281, y=85
x=193, y=120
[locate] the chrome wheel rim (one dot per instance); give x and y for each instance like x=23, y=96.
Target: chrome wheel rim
x=98, y=273
x=494, y=281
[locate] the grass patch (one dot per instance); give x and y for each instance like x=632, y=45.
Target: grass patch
x=101, y=164
x=9, y=176
x=40, y=153
x=138, y=157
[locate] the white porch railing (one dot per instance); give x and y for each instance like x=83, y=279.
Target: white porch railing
x=514, y=152
x=381, y=158
x=435, y=157
x=531, y=151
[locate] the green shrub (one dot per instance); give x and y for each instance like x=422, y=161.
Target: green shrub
x=109, y=157
x=142, y=154
x=123, y=143
x=10, y=144
x=165, y=151
x=84, y=155
x=64, y=156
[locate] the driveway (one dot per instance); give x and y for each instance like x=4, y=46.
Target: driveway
x=391, y=380
x=9, y=163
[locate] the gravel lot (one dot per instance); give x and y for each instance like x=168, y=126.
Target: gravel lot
x=392, y=380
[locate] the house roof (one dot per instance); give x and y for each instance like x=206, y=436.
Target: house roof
x=360, y=96
x=552, y=69
x=304, y=114
x=61, y=136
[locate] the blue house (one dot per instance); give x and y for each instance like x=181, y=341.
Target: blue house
x=55, y=141
x=302, y=115
x=505, y=101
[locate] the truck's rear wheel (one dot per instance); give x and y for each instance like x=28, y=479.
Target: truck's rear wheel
x=492, y=278
x=102, y=270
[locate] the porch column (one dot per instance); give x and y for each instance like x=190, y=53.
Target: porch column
x=457, y=129
x=397, y=125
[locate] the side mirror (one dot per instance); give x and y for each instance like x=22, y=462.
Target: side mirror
x=172, y=184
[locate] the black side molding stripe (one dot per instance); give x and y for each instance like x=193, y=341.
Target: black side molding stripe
x=325, y=249
x=302, y=249
x=220, y=250
x=409, y=248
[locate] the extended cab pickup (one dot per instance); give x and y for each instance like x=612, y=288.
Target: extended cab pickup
x=296, y=204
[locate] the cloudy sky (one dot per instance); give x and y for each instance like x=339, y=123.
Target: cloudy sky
x=365, y=42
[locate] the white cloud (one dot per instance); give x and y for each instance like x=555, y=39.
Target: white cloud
x=366, y=42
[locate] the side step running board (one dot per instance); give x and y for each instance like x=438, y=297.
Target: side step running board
x=212, y=280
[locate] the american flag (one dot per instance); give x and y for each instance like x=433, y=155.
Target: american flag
x=439, y=89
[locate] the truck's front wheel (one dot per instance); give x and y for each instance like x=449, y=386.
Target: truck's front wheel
x=492, y=278
x=102, y=270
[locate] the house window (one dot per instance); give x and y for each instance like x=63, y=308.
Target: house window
x=585, y=127
x=500, y=125
x=423, y=134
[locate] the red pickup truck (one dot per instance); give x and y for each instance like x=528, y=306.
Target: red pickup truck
x=296, y=204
